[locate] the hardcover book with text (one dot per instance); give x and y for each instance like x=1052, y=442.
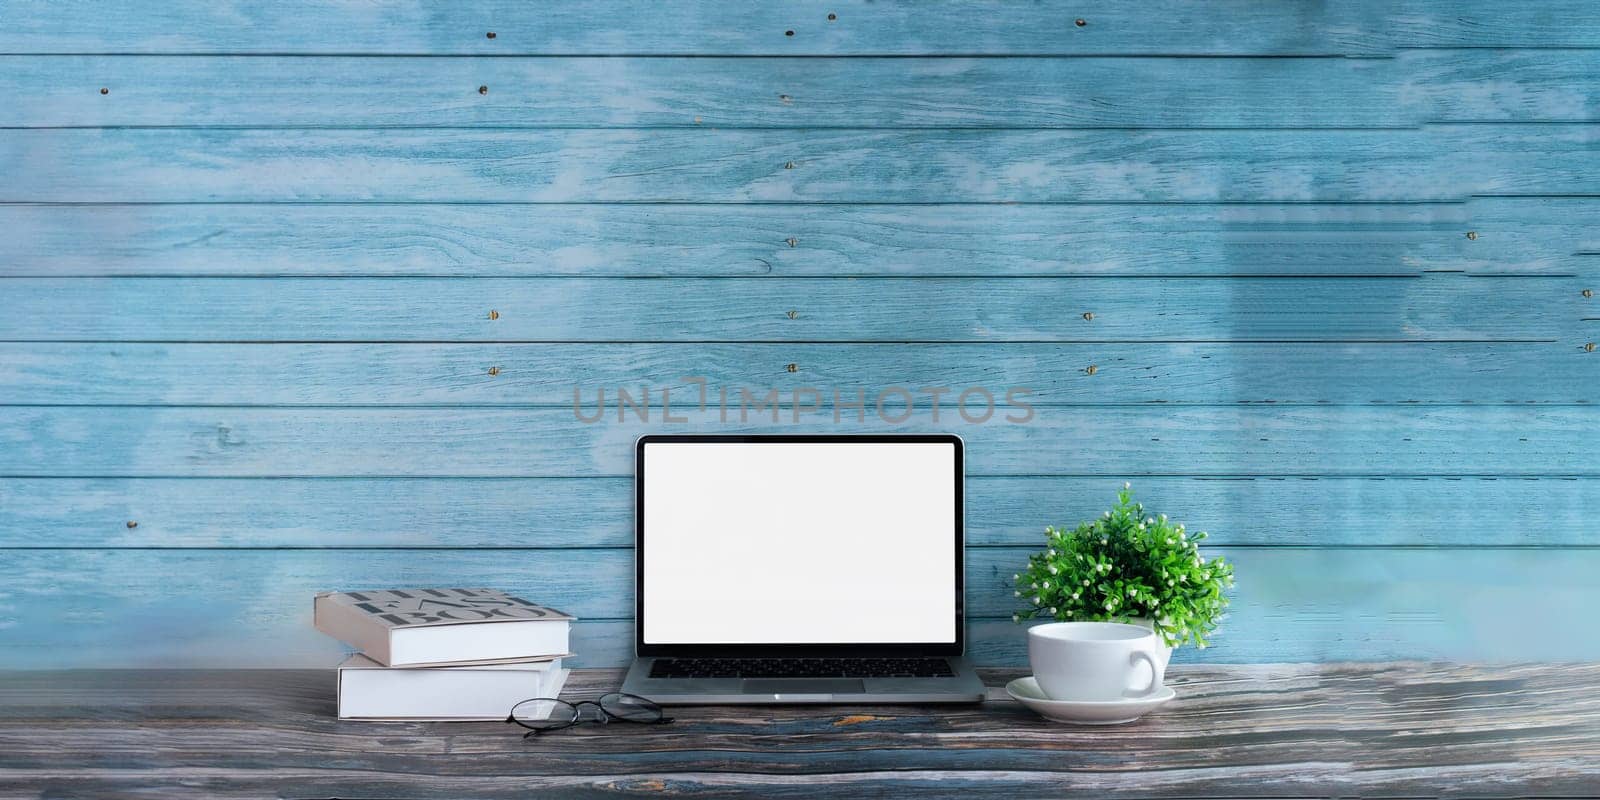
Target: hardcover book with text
x=422, y=627
x=486, y=692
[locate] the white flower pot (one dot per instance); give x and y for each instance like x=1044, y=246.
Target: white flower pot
x=1165, y=655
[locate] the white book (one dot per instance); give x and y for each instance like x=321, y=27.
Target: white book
x=433, y=627
x=370, y=691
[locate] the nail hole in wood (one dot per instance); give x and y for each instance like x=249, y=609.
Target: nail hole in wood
x=832, y=17
x=493, y=314
x=788, y=165
x=1588, y=293
x=104, y=90
x=792, y=314
x=133, y=523
x=1080, y=22
x=785, y=98
x=490, y=34
x=483, y=90
x=1088, y=315
x=792, y=367
x=1091, y=369
x=791, y=241
x=1472, y=234
x=788, y=33
x=1589, y=347
x=494, y=370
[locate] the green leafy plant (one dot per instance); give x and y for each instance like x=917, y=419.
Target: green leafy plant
x=1124, y=566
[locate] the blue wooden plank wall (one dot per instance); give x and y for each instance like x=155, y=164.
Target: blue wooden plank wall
x=295, y=296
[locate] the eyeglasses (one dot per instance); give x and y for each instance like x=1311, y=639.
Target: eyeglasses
x=545, y=714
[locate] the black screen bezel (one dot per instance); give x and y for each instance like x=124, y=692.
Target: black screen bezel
x=820, y=650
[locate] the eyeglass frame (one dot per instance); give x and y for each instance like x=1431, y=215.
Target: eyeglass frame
x=604, y=717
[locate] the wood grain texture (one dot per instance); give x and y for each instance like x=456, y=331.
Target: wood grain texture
x=1501, y=85
x=862, y=27
x=426, y=374
x=598, y=512
x=1529, y=236
x=1346, y=730
x=1115, y=442
x=1418, y=86
x=708, y=92
x=797, y=166
x=117, y=607
x=1427, y=308
x=1514, y=236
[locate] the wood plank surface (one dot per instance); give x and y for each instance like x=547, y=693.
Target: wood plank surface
x=598, y=512
x=1346, y=730
x=426, y=374
x=713, y=92
x=1501, y=85
x=1512, y=236
x=1116, y=442
x=1521, y=236
x=1280, y=730
x=1460, y=85
x=860, y=27
x=118, y=608
x=796, y=166
x=706, y=310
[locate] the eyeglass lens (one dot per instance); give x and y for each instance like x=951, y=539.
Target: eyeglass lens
x=544, y=713
x=632, y=708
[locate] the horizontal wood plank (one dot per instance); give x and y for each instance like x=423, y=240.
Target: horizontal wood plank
x=1418, y=373
x=1427, y=308
x=710, y=92
x=1279, y=730
x=858, y=27
x=797, y=166
x=1117, y=442
x=598, y=512
x=115, y=607
x=1512, y=236
x=1461, y=85
x=793, y=240
x=1500, y=85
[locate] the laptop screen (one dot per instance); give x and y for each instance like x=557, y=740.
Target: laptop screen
x=799, y=542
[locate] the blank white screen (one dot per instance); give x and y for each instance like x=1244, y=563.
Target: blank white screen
x=773, y=543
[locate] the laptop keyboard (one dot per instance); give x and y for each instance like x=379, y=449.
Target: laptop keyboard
x=800, y=668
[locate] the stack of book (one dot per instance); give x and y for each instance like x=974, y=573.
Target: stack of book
x=443, y=654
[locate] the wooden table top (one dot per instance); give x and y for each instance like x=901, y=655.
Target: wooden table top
x=1341, y=730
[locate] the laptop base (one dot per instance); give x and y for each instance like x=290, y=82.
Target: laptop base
x=962, y=686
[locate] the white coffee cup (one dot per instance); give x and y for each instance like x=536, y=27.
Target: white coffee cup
x=1095, y=661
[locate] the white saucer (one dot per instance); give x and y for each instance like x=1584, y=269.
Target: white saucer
x=1085, y=712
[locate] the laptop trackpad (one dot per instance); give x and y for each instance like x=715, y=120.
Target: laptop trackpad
x=803, y=686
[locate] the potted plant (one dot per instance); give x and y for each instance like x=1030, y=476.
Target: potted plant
x=1127, y=566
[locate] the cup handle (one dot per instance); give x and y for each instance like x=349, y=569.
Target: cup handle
x=1155, y=675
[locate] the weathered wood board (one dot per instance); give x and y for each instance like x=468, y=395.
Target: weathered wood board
x=431, y=374
x=1276, y=730
x=1512, y=236
x=429, y=165
x=709, y=310
x=796, y=27
x=1114, y=442
x=1304, y=511
x=711, y=92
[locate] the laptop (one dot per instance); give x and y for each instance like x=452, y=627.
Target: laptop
x=799, y=569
